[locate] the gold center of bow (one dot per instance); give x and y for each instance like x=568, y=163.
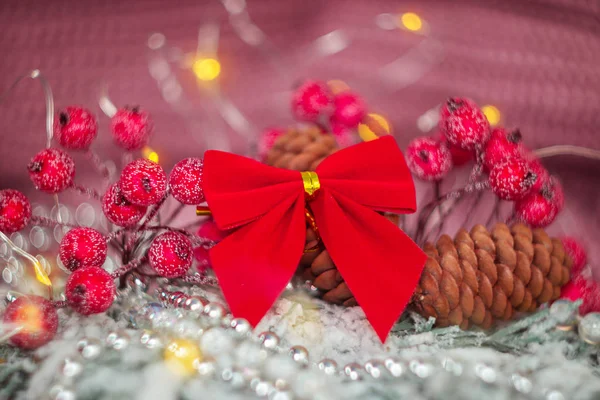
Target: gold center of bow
x=310, y=179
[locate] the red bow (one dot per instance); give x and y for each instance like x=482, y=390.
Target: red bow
x=380, y=264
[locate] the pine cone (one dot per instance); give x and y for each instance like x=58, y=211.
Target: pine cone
x=301, y=149
x=481, y=276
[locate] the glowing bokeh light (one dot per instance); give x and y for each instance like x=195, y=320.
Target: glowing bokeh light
x=492, y=114
x=206, y=69
x=150, y=154
x=366, y=132
x=411, y=21
x=337, y=86
x=182, y=356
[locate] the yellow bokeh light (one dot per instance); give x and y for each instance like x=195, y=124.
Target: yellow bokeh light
x=182, y=356
x=206, y=69
x=411, y=21
x=150, y=154
x=337, y=86
x=492, y=114
x=366, y=130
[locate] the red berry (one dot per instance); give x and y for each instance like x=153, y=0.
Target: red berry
x=539, y=209
x=428, y=159
x=512, y=179
x=82, y=247
x=542, y=175
x=90, y=290
x=577, y=253
x=170, y=254
x=501, y=146
x=51, y=170
x=36, y=316
x=185, y=181
x=349, y=109
x=584, y=289
x=75, y=128
x=267, y=140
x=143, y=182
x=459, y=156
x=310, y=100
x=119, y=210
x=131, y=128
x=15, y=211
x=464, y=124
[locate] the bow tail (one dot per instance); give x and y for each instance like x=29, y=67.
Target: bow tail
x=380, y=264
x=255, y=264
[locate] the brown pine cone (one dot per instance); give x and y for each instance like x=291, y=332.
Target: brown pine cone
x=301, y=149
x=482, y=276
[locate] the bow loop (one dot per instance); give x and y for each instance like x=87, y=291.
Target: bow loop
x=255, y=262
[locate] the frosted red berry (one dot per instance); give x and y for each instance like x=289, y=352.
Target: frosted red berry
x=185, y=181
x=131, y=128
x=542, y=175
x=464, y=124
x=15, y=211
x=428, y=159
x=459, y=156
x=75, y=128
x=170, y=254
x=586, y=290
x=577, y=252
x=37, y=318
x=501, y=146
x=51, y=170
x=90, y=290
x=540, y=208
x=312, y=99
x=267, y=140
x=143, y=182
x=82, y=247
x=512, y=179
x=349, y=109
x=119, y=210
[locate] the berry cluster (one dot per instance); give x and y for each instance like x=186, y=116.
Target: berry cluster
x=332, y=107
x=142, y=184
x=514, y=172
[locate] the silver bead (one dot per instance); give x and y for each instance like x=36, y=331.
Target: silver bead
x=10, y=296
x=299, y=354
x=589, y=328
x=118, y=340
x=60, y=392
x=151, y=340
x=90, y=348
x=554, y=395
x=328, y=366
x=521, y=383
x=269, y=340
x=195, y=303
x=234, y=377
x=240, y=326
x=145, y=316
x=263, y=388
x=375, y=368
x=71, y=368
x=214, y=312
x=565, y=314
x=420, y=369
x=396, y=368
x=206, y=367
x=280, y=395
x=353, y=371
x=452, y=366
x=487, y=374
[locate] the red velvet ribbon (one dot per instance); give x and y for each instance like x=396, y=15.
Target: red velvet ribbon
x=380, y=264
